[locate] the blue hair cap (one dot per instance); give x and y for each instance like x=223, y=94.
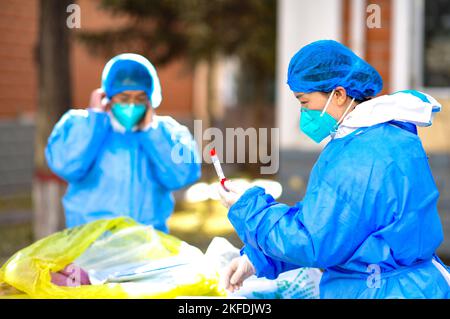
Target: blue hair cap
x=323, y=65
x=132, y=72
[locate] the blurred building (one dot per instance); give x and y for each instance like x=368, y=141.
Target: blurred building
x=18, y=84
x=19, y=23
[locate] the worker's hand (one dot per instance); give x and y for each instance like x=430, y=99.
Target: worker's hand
x=235, y=191
x=147, y=119
x=238, y=270
x=97, y=101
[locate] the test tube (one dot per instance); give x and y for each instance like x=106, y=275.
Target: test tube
x=218, y=167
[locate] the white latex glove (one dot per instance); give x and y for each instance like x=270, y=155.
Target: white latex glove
x=238, y=270
x=235, y=191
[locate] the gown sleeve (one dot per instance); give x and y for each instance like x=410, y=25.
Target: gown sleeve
x=321, y=231
x=75, y=142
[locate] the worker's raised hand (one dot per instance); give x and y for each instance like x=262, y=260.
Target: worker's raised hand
x=238, y=270
x=147, y=119
x=97, y=101
x=235, y=191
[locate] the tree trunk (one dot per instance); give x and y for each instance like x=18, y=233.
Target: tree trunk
x=54, y=100
x=215, y=110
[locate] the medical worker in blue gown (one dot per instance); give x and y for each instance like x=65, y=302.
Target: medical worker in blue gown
x=120, y=158
x=369, y=217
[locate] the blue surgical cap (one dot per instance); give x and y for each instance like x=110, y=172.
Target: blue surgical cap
x=323, y=65
x=133, y=72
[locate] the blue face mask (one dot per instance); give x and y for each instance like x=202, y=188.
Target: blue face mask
x=317, y=124
x=128, y=114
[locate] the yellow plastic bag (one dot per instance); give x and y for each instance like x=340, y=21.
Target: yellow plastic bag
x=113, y=241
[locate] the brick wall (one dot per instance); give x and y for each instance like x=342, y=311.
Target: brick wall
x=19, y=84
x=18, y=78
x=377, y=40
x=176, y=79
x=378, y=44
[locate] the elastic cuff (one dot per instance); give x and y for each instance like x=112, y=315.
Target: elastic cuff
x=260, y=262
x=248, y=194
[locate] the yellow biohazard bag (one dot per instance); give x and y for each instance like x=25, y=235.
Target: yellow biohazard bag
x=122, y=253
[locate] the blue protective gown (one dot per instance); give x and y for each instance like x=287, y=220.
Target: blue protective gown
x=112, y=174
x=369, y=218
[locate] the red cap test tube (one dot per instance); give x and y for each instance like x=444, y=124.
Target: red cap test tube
x=217, y=166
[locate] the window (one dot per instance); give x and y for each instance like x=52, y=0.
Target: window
x=436, y=57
